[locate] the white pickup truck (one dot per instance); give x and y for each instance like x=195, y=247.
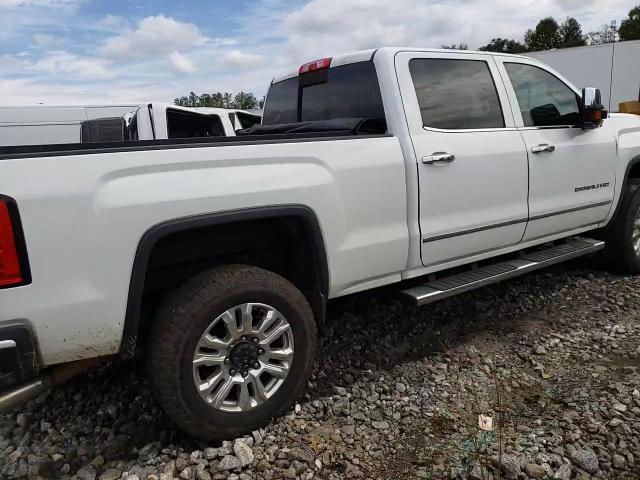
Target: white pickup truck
x=437, y=171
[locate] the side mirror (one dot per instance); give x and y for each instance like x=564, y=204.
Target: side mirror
x=593, y=112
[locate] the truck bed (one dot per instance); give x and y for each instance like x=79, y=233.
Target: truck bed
x=288, y=133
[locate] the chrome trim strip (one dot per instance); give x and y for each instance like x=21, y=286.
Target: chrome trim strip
x=7, y=344
x=425, y=294
x=569, y=210
x=514, y=222
x=473, y=230
x=469, y=130
x=547, y=127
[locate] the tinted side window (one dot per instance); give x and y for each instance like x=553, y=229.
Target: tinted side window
x=247, y=120
x=543, y=99
x=456, y=94
x=182, y=124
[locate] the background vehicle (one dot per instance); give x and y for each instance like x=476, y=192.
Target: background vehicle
x=611, y=67
x=51, y=125
x=439, y=171
x=239, y=119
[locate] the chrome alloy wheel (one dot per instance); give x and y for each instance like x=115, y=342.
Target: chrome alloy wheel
x=243, y=357
x=636, y=233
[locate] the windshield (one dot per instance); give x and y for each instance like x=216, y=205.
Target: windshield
x=349, y=91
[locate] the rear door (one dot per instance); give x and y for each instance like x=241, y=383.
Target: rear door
x=571, y=170
x=470, y=159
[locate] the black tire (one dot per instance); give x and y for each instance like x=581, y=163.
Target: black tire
x=185, y=314
x=619, y=254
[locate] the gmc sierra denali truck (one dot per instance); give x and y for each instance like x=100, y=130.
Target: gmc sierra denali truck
x=438, y=171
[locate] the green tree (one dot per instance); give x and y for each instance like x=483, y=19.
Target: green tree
x=503, y=45
x=630, y=27
x=456, y=46
x=545, y=36
x=245, y=101
x=241, y=100
x=571, y=33
x=607, y=34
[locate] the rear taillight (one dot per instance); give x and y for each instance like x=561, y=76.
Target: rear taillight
x=320, y=64
x=10, y=270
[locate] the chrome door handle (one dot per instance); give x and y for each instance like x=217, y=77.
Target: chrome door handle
x=438, y=157
x=543, y=147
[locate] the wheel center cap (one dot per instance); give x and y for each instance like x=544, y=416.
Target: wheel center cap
x=243, y=355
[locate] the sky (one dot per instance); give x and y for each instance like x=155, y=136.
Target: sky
x=117, y=51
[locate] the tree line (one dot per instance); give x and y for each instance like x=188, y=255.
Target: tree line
x=241, y=100
x=547, y=34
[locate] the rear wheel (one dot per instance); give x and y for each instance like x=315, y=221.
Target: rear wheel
x=622, y=241
x=230, y=349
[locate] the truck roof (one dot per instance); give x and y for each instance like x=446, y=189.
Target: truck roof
x=364, y=55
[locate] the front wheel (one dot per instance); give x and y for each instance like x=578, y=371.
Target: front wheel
x=622, y=241
x=230, y=349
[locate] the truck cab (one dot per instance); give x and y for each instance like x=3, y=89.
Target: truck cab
x=496, y=156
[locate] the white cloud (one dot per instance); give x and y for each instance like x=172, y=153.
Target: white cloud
x=37, y=3
x=31, y=92
x=13, y=62
x=46, y=41
x=160, y=58
x=157, y=35
x=16, y=16
x=181, y=64
x=61, y=62
x=325, y=27
x=239, y=59
x=113, y=24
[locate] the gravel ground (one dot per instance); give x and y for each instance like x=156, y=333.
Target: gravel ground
x=551, y=360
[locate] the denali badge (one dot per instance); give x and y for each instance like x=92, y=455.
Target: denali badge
x=592, y=187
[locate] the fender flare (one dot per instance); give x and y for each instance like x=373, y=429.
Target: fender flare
x=634, y=161
x=150, y=238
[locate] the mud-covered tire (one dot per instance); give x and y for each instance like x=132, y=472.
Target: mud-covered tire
x=185, y=314
x=620, y=255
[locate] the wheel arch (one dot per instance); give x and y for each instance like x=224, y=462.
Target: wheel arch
x=153, y=235
x=632, y=169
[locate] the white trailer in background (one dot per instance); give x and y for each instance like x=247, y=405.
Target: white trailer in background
x=43, y=124
x=614, y=68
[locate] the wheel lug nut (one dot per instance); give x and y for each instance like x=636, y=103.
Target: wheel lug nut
x=232, y=372
x=255, y=340
x=256, y=365
x=245, y=373
x=226, y=360
x=260, y=351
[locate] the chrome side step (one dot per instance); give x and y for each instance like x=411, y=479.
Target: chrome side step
x=462, y=282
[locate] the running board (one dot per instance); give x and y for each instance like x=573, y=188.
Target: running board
x=462, y=282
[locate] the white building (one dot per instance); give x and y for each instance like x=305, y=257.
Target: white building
x=613, y=67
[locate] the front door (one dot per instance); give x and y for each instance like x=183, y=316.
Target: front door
x=471, y=161
x=571, y=170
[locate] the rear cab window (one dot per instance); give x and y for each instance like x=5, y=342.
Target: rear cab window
x=344, y=91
